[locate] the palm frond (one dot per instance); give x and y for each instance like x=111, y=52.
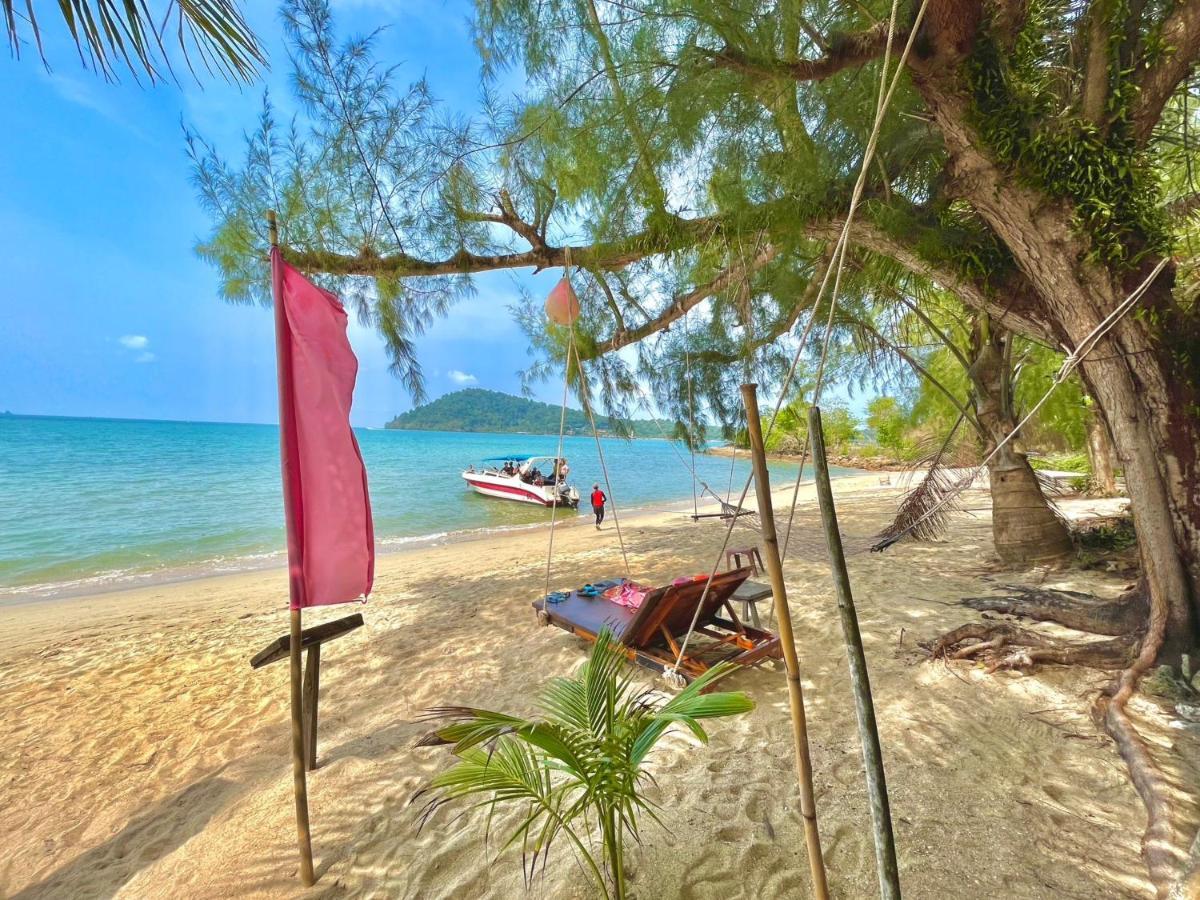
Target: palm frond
x=112, y=33
x=925, y=511
x=578, y=771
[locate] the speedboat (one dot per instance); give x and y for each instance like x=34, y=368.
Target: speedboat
x=527, y=479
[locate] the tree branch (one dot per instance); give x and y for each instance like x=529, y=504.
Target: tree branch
x=1181, y=36
x=845, y=51
x=1009, y=313
x=601, y=255
x=679, y=307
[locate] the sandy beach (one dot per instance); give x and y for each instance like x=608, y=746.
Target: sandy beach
x=142, y=757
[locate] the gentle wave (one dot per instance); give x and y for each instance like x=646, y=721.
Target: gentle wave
x=88, y=505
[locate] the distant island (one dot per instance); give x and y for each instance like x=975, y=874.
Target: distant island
x=477, y=409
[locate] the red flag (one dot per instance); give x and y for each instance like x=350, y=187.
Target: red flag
x=331, y=538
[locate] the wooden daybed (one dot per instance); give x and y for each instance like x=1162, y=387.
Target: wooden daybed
x=652, y=633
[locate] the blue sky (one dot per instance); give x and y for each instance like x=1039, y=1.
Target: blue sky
x=106, y=309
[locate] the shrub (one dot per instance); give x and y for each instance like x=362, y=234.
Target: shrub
x=579, y=770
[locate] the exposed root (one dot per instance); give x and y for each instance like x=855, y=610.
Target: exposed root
x=1160, y=840
x=1004, y=646
x=1083, y=612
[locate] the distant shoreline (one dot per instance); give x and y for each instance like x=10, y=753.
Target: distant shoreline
x=845, y=461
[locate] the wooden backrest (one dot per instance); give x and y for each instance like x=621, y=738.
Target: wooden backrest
x=674, y=607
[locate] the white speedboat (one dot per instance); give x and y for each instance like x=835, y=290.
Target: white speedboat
x=526, y=479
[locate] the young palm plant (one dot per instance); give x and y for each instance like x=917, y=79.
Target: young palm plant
x=578, y=771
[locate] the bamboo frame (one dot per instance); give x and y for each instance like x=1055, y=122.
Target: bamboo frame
x=864, y=707
x=787, y=637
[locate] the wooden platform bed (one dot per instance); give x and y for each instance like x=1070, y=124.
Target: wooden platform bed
x=652, y=633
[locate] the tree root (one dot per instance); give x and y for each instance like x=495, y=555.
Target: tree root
x=1083, y=612
x=1004, y=646
x=1169, y=870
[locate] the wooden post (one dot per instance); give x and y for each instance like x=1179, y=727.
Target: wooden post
x=787, y=639
x=299, y=779
x=864, y=707
x=312, y=690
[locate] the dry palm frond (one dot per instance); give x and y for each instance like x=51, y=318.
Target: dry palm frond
x=732, y=510
x=925, y=511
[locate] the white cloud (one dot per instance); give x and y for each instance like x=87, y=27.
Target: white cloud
x=145, y=357
x=92, y=94
x=461, y=377
x=134, y=341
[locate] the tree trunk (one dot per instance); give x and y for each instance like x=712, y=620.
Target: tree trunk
x=1104, y=479
x=1139, y=382
x=1025, y=529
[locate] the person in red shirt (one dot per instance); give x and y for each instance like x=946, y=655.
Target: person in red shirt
x=598, y=501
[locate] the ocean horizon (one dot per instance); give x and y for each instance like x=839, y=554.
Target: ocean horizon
x=97, y=504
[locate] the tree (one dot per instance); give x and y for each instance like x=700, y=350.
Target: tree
x=1024, y=166
x=889, y=423
x=967, y=368
x=579, y=769
x=107, y=34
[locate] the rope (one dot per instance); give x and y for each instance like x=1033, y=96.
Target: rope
x=687, y=362
x=587, y=408
x=881, y=108
x=726, y=507
x=562, y=424
x=1072, y=361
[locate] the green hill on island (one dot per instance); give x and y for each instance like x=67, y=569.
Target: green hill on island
x=477, y=409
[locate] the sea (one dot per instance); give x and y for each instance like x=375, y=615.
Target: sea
x=89, y=505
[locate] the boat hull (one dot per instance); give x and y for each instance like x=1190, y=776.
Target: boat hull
x=514, y=489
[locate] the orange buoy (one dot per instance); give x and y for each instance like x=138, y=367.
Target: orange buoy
x=562, y=306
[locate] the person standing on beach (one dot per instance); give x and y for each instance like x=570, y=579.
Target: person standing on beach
x=598, y=501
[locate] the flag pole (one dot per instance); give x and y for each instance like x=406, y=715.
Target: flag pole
x=299, y=776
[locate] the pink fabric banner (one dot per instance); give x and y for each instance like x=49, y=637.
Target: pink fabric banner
x=330, y=535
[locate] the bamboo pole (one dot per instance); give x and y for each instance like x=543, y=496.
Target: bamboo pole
x=787, y=638
x=864, y=706
x=299, y=778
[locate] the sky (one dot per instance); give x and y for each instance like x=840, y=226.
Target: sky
x=105, y=310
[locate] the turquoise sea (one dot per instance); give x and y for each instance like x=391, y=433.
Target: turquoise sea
x=96, y=504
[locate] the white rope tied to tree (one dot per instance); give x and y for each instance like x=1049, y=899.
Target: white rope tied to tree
x=587, y=408
x=882, y=104
x=1072, y=362
x=562, y=424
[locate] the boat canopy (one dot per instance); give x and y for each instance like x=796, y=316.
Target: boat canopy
x=511, y=457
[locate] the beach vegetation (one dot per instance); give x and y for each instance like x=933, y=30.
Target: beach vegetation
x=580, y=771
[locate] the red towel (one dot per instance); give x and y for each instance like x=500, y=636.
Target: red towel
x=331, y=538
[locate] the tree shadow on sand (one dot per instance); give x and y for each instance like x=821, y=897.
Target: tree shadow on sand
x=104, y=869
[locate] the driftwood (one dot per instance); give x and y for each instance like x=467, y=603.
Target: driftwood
x=1083, y=612
x=1005, y=646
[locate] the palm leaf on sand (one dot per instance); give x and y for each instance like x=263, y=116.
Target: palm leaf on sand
x=925, y=511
